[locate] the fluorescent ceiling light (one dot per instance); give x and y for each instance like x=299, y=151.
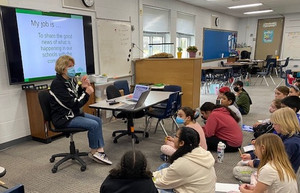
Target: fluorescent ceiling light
x=257, y=12
x=245, y=6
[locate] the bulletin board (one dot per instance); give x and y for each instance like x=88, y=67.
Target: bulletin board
x=114, y=45
x=218, y=43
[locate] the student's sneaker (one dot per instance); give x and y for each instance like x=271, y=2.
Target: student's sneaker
x=100, y=158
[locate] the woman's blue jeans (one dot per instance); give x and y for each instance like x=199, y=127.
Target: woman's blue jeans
x=94, y=126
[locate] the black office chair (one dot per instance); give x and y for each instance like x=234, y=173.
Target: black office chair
x=111, y=93
x=44, y=99
x=245, y=54
x=122, y=85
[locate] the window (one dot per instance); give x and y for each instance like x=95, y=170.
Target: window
x=185, y=32
x=155, y=30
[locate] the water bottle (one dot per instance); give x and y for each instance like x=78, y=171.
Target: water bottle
x=220, y=151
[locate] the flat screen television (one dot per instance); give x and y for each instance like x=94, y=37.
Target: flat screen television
x=34, y=40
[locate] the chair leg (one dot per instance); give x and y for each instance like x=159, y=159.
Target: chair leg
x=280, y=83
x=175, y=123
x=158, y=121
x=272, y=80
x=148, y=124
x=74, y=155
x=266, y=80
x=256, y=80
x=163, y=128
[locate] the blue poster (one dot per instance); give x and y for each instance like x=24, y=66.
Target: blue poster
x=268, y=36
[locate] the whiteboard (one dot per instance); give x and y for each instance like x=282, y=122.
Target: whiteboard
x=114, y=45
x=291, y=45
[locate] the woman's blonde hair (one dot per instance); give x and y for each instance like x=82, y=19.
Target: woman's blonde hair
x=62, y=62
x=287, y=119
x=273, y=151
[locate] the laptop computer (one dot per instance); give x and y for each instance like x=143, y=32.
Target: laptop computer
x=139, y=103
x=138, y=90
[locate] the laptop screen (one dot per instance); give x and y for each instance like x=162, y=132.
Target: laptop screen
x=138, y=90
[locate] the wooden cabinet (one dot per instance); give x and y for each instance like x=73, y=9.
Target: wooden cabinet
x=232, y=59
x=184, y=72
x=36, y=120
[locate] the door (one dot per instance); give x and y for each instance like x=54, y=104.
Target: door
x=268, y=37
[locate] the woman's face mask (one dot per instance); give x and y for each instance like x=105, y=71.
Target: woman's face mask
x=179, y=120
x=71, y=72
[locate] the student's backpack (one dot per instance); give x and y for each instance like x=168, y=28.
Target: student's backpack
x=262, y=128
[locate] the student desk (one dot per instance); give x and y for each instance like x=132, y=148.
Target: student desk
x=153, y=98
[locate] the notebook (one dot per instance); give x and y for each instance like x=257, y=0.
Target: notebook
x=139, y=103
x=138, y=90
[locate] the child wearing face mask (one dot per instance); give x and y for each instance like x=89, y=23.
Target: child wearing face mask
x=185, y=116
x=243, y=99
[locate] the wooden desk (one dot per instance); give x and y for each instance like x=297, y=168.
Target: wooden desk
x=215, y=67
x=185, y=72
x=236, y=64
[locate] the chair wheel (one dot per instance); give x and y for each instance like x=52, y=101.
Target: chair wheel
x=83, y=168
x=115, y=141
x=137, y=141
x=52, y=159
x=146, y=135
x=54, y=170
x=113, y=134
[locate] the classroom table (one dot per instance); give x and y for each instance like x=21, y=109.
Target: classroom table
x=153, y=98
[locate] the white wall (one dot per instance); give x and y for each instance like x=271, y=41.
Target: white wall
x=248, y=27
x=14, y=121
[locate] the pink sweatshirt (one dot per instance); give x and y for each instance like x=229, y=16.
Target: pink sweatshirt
x=222, y=125
x=199, y=129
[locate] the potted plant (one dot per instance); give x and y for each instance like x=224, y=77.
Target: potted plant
x=192, y=51
x=179, y=53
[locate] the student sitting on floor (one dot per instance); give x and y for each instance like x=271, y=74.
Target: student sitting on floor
x=293, y=102
x=186, y=117
x=287, y=127
x=243, y=99
x=221, y=125
x=281, y=92
x=275, y=105
x=131, y=175
x=228, y=100
x=222, y=90
x=275, y=173
x=192, y=167
x=294, y=90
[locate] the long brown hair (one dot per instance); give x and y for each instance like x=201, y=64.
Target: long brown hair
x=273, y=152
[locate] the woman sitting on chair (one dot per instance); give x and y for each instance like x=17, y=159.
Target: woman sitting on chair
x=67, y=97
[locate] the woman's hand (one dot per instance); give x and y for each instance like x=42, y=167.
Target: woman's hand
x=89, y=90
x=169, y=138
x=246, y=156
x=85, y=82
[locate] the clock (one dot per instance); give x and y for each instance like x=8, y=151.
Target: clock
x=217, y=21
x=88, y=3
